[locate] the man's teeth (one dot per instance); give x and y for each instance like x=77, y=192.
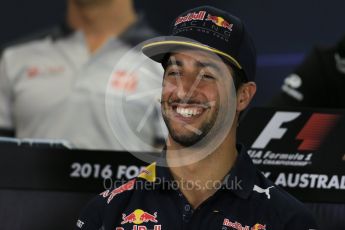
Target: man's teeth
x=188, y=112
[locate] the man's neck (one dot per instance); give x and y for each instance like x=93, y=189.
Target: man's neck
x=200, y=180
x=102, y=21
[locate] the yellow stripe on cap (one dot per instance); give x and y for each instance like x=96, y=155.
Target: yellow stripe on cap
x=194, y=45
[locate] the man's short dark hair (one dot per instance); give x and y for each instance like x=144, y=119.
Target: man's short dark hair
x=238, y=76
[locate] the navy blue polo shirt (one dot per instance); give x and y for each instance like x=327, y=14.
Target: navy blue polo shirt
x=246, y=200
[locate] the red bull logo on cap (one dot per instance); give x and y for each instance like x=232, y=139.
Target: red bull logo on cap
x=191, y=17
x=219, y=21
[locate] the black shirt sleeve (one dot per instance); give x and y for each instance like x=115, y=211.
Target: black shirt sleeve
x=91, y=217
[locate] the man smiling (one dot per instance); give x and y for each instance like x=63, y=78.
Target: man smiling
x=182, y=106
x=208, y=81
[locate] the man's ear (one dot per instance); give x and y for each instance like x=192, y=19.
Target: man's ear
x=245, y=94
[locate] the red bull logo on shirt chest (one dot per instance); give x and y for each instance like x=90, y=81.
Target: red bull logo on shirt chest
x=138, y=217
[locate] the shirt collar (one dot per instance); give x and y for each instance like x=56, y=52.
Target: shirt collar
x=241, y=178
x=239, y=181
x=61, y=31
x=138, y=32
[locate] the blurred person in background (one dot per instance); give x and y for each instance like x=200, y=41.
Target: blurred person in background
x=318, y=82
x=54, y=86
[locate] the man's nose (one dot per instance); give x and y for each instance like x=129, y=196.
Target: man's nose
x=186, y=86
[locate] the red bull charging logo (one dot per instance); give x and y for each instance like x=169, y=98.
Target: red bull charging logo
x=139, y=216
x=259, y=227
x=219, y=21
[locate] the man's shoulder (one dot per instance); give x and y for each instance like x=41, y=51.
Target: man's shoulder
x=123, y=190
x=284, y=206
x=20, y=50
x=37, y=40
x=114, y=200
x=26, y=46
x=25, y=55
x=139, y=32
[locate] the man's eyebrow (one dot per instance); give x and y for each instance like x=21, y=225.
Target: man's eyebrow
x=202, y=64
x=208, y=65
x=173, y=61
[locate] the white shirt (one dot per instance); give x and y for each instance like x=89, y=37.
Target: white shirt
x=55, y=89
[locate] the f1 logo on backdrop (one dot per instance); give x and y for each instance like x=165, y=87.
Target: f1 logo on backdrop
x=312, y=134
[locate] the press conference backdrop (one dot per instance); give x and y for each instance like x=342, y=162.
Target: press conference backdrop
x=283, y=30
x=303, y=151
x=300, y=150
x=46, y=188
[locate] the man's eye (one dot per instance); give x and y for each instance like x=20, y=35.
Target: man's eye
x=174, y=73
x=207, y=77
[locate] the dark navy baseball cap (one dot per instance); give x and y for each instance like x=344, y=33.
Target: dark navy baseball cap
x=209, y=29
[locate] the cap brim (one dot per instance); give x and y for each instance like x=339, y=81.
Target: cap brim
x=157, y=50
